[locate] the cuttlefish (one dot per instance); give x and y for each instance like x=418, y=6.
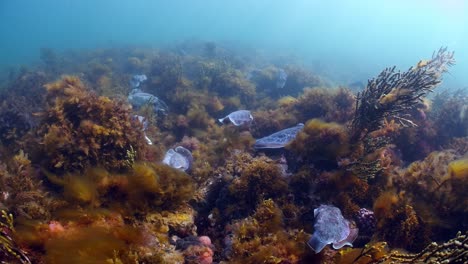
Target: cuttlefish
x=331, y=227
x=278, y=139
x=238, y=118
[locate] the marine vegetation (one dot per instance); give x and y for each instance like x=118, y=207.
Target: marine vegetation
x=18, y=117
x=256, y=180
x=9, y=250
x=145, y=186
x=319, y=140
x=385, y=105
x=392, y=93
x=450, y=111
x=451, y=251
x=23, y=192
x=150, y=156
x=159, y=185
x=330, y=105
x=81, y=129
x=262, y=239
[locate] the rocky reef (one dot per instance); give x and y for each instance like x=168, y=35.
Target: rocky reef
x=84, y=180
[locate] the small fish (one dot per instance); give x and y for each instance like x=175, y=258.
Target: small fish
x=138, y=98
x=331, y=227
x=179, y=158
x=238, y=118
x=278, y=139
x=137, y=80
x=281, y=79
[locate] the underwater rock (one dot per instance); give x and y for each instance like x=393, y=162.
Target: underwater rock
x=281, y=79
x=179, y=158
x=278, y=139
x=186, y=242
x=366, y=221
x=331, y=228
x=144, y=122
x=138, y=98
x=137, y=80
x=238, y=118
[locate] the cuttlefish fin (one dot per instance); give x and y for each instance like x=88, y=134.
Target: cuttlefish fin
x=168, y=156
x=234, y=122
x=348, y=241
x=148, y=141
x=316, y=244
x=315, y=212
x=221, y=120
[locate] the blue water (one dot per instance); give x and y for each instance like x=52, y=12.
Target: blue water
x=345, y=40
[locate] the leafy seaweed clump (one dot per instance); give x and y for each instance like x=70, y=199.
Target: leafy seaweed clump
x=82, y=129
